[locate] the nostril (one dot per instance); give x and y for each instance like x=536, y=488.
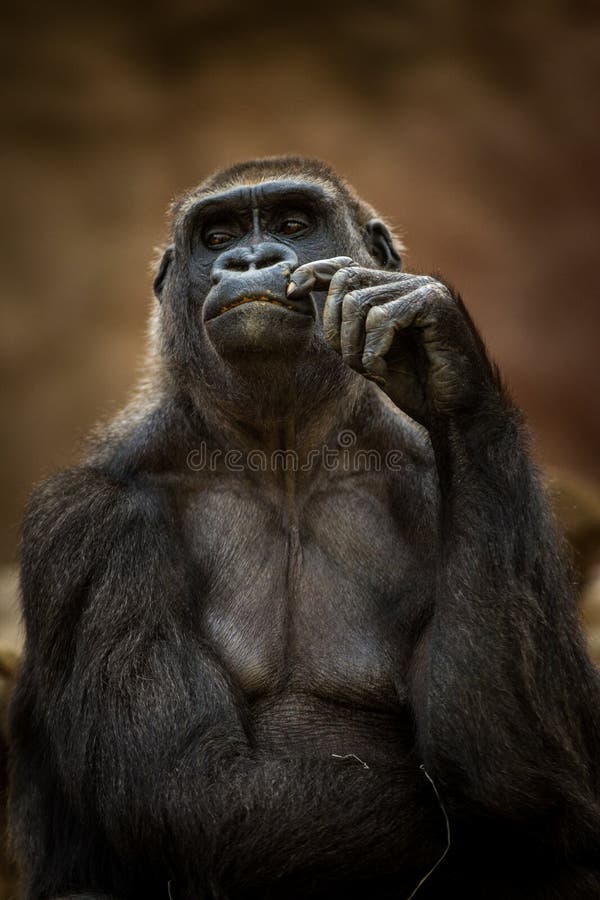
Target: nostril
x=237, y=265
x=242, y=260
x=237, y=260
x=272, y=254
x=267, y=260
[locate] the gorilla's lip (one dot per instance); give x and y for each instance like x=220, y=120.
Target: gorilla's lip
x=268, y=298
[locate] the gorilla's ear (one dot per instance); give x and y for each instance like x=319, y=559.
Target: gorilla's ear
x=161, y=274
x=381, y=245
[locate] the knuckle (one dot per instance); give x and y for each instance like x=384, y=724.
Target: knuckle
x=346, y=279
x=430, y=294
x=443, y=295
x=339, y=279
x=378, y=316
x=349, y=304
x=438, y=290
x=358, y=301
x=352, y=275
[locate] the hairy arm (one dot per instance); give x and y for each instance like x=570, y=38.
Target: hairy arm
x=506, y=700
x=510, y=703
x=113, y=686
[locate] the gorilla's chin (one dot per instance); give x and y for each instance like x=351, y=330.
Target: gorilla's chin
x=266, y=328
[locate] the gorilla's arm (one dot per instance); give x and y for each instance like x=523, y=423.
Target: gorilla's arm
x=509, y=701
x=506, y=700
x=113, y=688
x=142, y=732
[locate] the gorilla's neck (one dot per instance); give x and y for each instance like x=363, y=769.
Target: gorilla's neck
x=263, y=399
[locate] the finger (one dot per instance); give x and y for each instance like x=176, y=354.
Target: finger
x=332, y=311
x=381, y=325
x=343, y=321
x=379, y=336
x=355, y=308
x=379, y=286
x=316, y=276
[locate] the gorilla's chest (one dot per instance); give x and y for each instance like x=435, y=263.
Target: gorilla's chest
x=304, y=596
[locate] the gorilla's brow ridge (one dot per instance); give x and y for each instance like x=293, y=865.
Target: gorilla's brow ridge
x=283, y=187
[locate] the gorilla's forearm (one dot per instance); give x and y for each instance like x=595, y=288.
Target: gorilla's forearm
x=300, y=818
x=207, y=812
x=114, y=690
x=504, y=628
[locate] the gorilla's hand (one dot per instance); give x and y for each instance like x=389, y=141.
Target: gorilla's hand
x=409, y=333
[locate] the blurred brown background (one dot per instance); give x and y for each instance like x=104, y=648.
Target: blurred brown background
x=472, y=126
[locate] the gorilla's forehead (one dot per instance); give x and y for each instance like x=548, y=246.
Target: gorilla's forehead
x=257, y=194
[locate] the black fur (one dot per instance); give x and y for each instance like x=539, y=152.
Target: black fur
x=233, y=678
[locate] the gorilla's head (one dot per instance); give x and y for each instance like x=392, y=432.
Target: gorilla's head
x=236, y=240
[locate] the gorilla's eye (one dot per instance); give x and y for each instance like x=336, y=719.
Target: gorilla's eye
x=292, y=226
x=217, y=238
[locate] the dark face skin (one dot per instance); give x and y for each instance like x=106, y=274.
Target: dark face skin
x=232, y=258
x=243, y=246
x=230, y=316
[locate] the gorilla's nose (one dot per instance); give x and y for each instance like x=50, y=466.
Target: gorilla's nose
x=243, y=260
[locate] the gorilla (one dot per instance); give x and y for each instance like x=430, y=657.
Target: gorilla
x=300, y=625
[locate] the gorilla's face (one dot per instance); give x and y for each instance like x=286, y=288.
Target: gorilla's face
x=242, y=246
x=223, y=284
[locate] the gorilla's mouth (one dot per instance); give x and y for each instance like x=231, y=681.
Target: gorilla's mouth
x=268, y=298
x=257, y=298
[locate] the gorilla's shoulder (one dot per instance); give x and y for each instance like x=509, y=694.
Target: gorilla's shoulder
x=84, y=508
x=145, y=440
